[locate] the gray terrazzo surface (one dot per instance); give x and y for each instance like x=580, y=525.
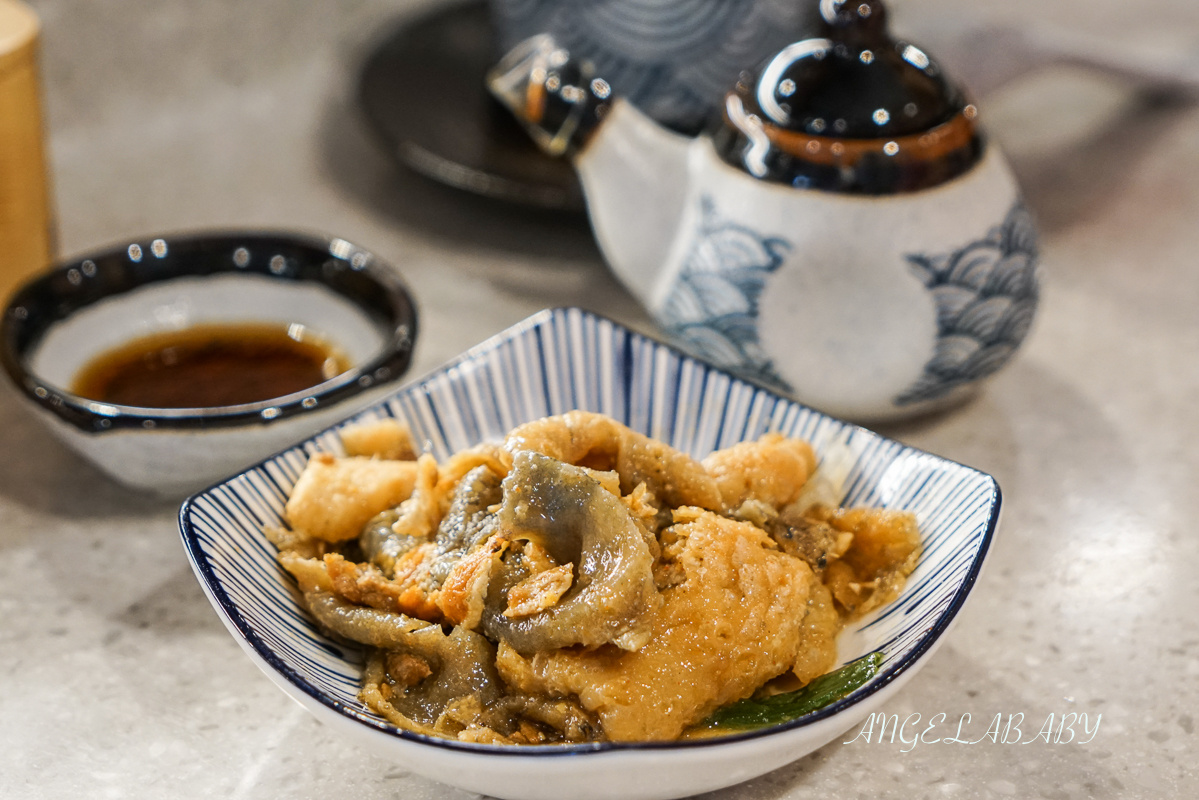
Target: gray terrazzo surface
x=118, y=680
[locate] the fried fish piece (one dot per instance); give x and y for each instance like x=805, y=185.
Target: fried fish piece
x=732, y=624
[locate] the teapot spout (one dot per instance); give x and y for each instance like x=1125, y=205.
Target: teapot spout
x=634, y=171
x=553, y=96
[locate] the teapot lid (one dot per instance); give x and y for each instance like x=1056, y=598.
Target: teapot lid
x=850, y=109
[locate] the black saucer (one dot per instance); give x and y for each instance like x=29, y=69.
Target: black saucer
x=423, y=92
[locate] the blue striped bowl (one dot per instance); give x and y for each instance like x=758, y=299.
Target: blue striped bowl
x=551, y=363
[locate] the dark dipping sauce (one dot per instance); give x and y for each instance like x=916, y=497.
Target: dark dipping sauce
x=205, y=366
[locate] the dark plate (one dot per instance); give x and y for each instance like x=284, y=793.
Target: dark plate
x=423, y=92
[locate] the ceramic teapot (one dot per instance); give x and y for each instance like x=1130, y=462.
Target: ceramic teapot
x=843, y=232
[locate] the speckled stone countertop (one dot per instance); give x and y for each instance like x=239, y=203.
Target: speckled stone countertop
x=118, y=680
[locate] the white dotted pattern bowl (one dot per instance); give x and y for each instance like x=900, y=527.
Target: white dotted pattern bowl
x=62, y=319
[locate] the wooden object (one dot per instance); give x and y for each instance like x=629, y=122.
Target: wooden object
x=25, y=217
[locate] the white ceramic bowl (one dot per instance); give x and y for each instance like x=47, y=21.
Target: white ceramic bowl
x=551, y=363
x=58, y=322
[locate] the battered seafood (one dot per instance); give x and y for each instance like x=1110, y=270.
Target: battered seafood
x=582, y=582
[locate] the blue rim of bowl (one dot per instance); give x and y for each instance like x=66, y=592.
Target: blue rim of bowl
x=340, y=266
x=213, y=587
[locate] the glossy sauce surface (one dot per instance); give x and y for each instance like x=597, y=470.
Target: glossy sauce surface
x=211, y=365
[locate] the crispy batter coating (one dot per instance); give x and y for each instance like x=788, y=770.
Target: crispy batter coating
x=464, y=591
x=585, y=439
x=884, y=551
x=422, y=511
x=817, y=636
x=365, y=585
x=771, y=470
x=310, y=573
x=495, y=458
x=407, y=669
x=729, y=627
x=335, y=497
x=385, y=438
x=621, y=589
x=539, y=591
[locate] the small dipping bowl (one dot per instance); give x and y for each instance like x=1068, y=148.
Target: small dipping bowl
x=60, y=322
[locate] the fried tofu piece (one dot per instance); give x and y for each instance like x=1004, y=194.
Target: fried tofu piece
x=385, y=438
x=771, y=470
x=732, y=624
x=335, y=497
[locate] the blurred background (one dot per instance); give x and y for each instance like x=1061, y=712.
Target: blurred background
x=171, y=116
